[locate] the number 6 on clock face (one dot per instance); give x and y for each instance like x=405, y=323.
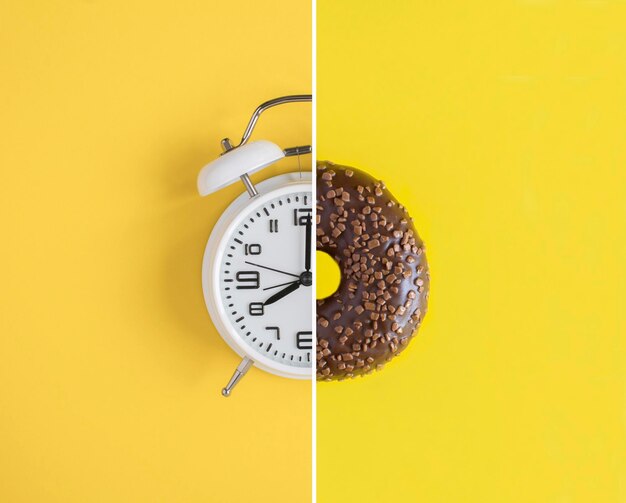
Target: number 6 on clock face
x=256, y=282
x=304, y=340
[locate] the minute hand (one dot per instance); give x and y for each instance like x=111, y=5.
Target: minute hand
x=307, y=247
x=283, y=293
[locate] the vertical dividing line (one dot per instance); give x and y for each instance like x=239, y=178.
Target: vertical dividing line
x=313, y=261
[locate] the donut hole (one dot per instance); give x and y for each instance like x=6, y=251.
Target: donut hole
x=328, y=275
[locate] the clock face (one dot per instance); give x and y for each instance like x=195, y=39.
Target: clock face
x=265, y=280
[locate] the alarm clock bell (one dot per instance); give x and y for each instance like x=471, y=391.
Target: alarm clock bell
x=240, y=161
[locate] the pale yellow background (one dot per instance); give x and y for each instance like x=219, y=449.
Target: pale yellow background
x=110, y=368
x=502, y=126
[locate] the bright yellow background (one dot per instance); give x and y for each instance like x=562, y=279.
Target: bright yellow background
x=502, y=127
x=110, y=368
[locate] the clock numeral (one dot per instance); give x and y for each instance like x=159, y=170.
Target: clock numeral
x=276, y=330
x=304, y=340
x=249, y=280
x=274, y=225
x=256, y=309
x=252, y=249
x=301, y=215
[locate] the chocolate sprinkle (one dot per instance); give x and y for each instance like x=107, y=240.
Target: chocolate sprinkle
x=383, y=295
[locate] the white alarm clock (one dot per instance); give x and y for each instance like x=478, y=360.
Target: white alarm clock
x=256, y=271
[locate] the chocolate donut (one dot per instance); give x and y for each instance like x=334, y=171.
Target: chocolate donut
x=383, y=294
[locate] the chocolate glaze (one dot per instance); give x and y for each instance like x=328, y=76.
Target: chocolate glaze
x=383, y=294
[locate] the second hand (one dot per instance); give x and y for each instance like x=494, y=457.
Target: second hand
x=282, y=284
x=271, y=269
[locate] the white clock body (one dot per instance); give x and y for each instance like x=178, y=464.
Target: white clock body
x=255, y=250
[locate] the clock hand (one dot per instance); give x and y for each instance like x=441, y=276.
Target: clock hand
x=281, y=284
x=272, y=269
x=307, y=247
x=283, y=293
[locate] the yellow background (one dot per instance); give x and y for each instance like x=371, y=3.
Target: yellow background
x=110, y=368
x=501, y=125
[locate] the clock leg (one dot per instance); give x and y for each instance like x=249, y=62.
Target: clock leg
x=240, y=371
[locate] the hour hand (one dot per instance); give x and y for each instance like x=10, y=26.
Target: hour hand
x=283, y=293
